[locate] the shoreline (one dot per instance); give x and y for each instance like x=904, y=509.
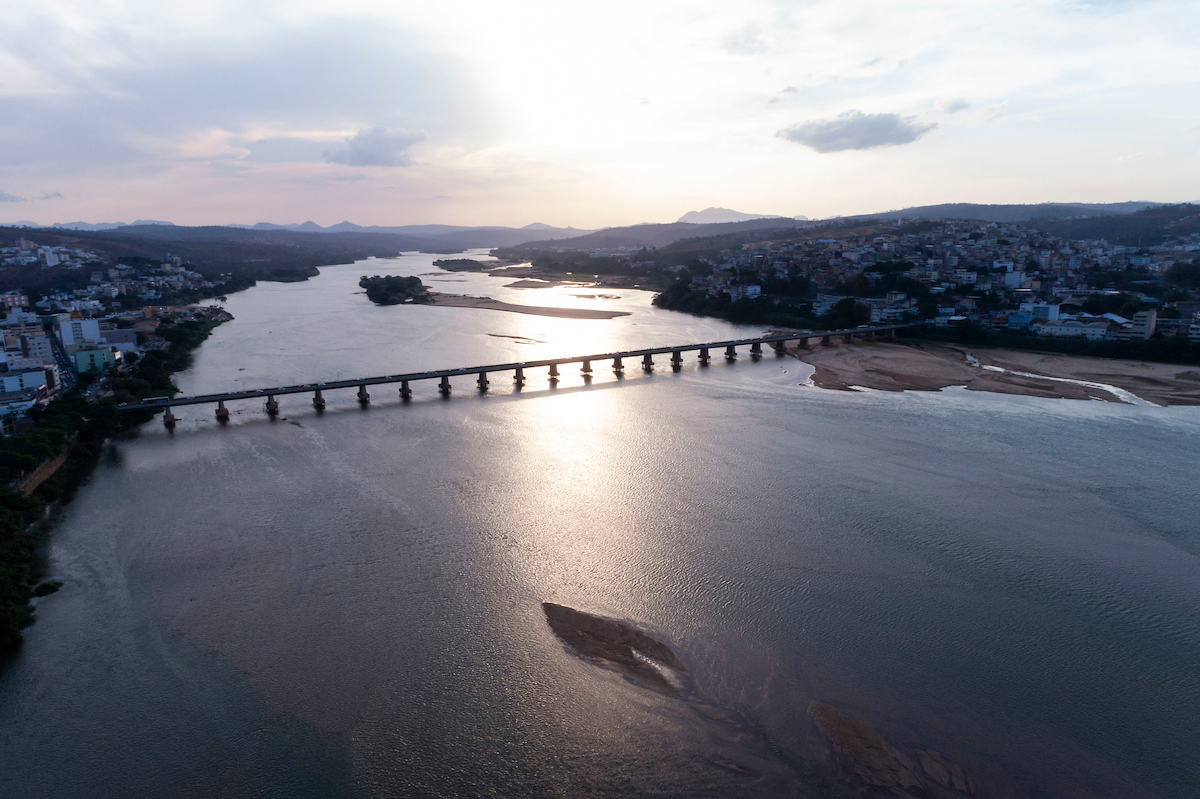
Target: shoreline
x=487, y=303
x=30, y=517
x=891, y=366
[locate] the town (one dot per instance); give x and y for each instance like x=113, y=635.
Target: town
x=97, y=329
x=998, y=277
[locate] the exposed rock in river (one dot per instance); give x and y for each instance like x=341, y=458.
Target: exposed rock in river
x=616, y=645
x=873, y=761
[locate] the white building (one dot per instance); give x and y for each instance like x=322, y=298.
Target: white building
x=75, y=333
x=14, y=382
x=1143, y=325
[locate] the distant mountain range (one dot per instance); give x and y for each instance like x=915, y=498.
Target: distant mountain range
x=657, y=236
x=694, y=224
x=1011, y=213
x=716, y=216
x=408, y=237
x=90, y=225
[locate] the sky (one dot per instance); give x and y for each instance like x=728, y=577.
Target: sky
x=589, y=115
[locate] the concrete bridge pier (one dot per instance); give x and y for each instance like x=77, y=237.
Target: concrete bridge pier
x=318, y=400
x=617, y=367
x=778, y=347
x=826, y=341
x=676, y=360
x=870, y=335
x=891, y=333
x=222, y=412
x=553, y=373
x=364, y=398
x=731, y=353
x=444, y=387
x=586, y=369
x=169, y=419
x=647, y=363
x=848, y=338
x=704, y=357
x=756, y=350
x=483, y=382
x=802, y=343
x=272, y=405
x=519, y=377
x=405, y=391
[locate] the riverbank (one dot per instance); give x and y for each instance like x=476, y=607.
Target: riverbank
x=69, y=434
x=926, y=366
x=463, y=301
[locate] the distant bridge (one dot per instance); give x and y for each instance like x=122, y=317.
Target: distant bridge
x=777, y=342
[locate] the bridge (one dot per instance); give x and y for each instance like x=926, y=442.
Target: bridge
x=777, y=342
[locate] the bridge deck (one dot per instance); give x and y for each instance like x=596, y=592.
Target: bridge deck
x=200, y=399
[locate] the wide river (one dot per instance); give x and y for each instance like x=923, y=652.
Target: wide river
x=349, y=603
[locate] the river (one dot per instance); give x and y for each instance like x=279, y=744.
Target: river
x=348, y=603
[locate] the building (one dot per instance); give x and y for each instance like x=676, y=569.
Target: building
x=95, y=359
x=76, y=333
x=123, y=339
x=1144, y=323
x=12, y=300
x=27, y=380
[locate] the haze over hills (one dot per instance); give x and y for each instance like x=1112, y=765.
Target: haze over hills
x=706, y=223
x=418, y=236
x=710, y=216
x=1113, y=218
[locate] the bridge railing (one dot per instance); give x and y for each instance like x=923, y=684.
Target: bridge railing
x=443, y=375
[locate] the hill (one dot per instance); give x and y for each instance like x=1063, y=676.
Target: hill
x=280, y=255
x=447, y=236
x=1010, y=213
x=1142, y=229
x=653, y=236
x=710, y=216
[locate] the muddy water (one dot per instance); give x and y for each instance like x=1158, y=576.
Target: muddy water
x=349, y=603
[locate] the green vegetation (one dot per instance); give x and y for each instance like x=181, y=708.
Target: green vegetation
x=461, y=265
x=152, y=375
x=70, y=423
x=762, y=310
x=80, y=428
x=394, y=290
x=47, y=588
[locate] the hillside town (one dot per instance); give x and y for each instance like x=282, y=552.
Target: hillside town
x=94, y=318
x=1001, y=277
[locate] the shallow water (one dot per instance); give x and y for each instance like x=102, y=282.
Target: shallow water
x=348, y=603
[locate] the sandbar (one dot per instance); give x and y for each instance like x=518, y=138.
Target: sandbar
x=463, y=301
x=896, y=366
x=615, y=645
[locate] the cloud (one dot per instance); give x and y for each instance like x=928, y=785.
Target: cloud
x=280, y=90
x=376, y=147
x=747, y=41
x=285, y=150
x=994, y=112
x=51, y=195
x=955, y=105
x=854, y=130
x=8, y=198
